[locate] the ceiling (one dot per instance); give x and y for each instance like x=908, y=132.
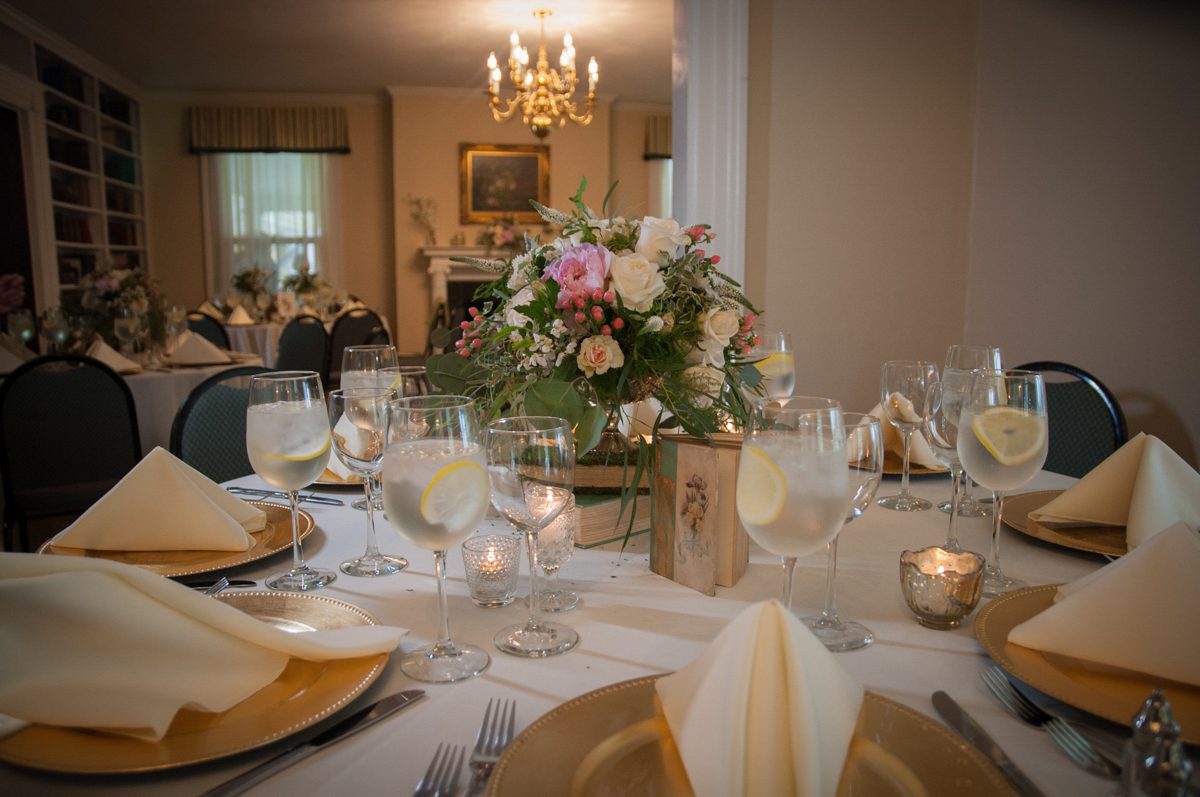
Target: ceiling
x=358, y=45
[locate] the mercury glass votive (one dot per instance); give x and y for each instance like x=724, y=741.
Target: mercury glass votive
x=493, y=563
x=941, y=587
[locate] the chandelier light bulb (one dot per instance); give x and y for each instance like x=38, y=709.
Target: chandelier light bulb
x=491, y=62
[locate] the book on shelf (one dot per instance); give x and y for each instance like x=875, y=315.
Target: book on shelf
x=601, y=519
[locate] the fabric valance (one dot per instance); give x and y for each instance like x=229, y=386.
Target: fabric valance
x=281, y=129
x=658, y=138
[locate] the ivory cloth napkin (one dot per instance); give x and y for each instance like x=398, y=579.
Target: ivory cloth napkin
x=210, y=309
x=99, y=350
x=1137, y=613
x=764, y=710
x=919, y=452
x=193, y=349
x=9, y=362
x=239, y=317
x=98, y=644
x=1143, y=486
x=164, y=504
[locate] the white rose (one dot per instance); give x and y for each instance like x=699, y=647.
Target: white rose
x=708, y=352
x=660, y=235
x=721, y=324
x=706, y=382
x=512, y=316
x=598, y=354
x=636, y=280
x=519, y=277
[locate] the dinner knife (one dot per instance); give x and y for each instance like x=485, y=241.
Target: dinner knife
x=973, y=732
x=359, y=720
x=311, y=498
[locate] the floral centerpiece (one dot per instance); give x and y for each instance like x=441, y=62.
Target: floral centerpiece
x=614, y=311
x=501, y=235
x=252, y=281
x=305, y=280
x=105, y=291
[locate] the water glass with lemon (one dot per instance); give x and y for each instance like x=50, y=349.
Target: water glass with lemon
x=793, y=486
x=287, y=440
x=1002, y=443
x=775, y=361
x=435, y=492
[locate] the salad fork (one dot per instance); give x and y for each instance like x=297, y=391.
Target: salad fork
x=441, y=779
x=495, y=733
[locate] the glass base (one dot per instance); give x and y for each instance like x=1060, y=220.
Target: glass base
x=372, y=566
x=445, y=664
x=970, y=508
x=995, y=583
x=361, y=503
x=904, y=503
x=557, y=600
x=536, y=640
x=305, y=579
x=839, y=635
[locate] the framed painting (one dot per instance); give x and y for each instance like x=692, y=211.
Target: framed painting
x=498, y=181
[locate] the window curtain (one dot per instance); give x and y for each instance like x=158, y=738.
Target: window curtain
x=657, y=154
x=278, y=129
x=271, y=211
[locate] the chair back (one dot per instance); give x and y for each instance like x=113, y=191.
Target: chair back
x=209, y=432
x=1086, y=421
x=68, y=433
x=354, y=328
x=304, y=346
x=208, y=327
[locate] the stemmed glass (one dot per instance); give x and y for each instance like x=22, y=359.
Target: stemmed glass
x=20, y=325
x=793, y=484
x=435, y=488
x=125, y=326
x=555, y=544
x=943, y=410
x=361, y=367
x=54, y=329
x=775, y=359
x=406, y=380
x=904, y=384
x=287, y=439
x=358, y=418
x=864, y=455
x=176, y=323
x=1002, y=445
x=531, y=461
x=968, y=358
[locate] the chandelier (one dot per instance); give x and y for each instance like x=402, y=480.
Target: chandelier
x=543, y=95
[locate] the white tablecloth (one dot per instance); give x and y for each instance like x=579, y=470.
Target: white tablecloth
x=157, y=395
x=632, y=623
x=260, y=339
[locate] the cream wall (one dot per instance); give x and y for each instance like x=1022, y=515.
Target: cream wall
x=628, y=166
x=1085, y=234
x=859, y=163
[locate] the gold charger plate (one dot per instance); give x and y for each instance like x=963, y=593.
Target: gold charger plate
x=276, y=537
x=304, y=693
x=1113, y=695
x=545, y=757
x=1106, y=540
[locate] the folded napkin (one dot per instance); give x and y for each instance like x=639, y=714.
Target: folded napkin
x=350, y=306
x=164, y=504
x=764, y=710
x=10, y=345
x=99, y=350
x=239, y=317
x=1137, y=613
x=1143, y=486
x=919, y=452
x=9, y=362
x=210, y=309
x=98, y=644
x=193, y=349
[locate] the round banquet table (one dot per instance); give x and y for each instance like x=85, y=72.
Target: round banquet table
x=157, y=396
x=260, y=339
x=632, y=623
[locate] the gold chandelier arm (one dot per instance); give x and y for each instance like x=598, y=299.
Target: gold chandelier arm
x=503, y=110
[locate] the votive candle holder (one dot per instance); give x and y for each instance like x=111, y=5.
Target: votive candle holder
x=493, y=563
x=941, y=587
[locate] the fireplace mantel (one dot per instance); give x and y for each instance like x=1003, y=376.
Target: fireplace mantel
x=442, y=270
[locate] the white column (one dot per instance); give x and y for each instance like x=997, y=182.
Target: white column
x=709, y=122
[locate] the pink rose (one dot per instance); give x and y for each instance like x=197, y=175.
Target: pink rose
x=579, y=271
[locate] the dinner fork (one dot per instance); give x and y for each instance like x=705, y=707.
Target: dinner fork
x=495, y=733
x=441, y=779
x=1068, y=739
x=217, y=586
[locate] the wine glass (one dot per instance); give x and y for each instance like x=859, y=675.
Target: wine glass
x=555, y=544
x=793, y=484
x=1002, y=445
x=263, y=302
x=968, y=358
x=54, y=329
x=176, y=318
x=287, y=439
x=531, y=461
x=775, y=360
x=358, y=418
x=125, y=326
x=435, y=488
x=406, y=380
x=864, y=455
x=943, y=411
x=360, y=368
x=20, y=325
x=904, y=384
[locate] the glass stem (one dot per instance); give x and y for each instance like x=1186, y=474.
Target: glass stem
x=789, y=572
x=369, y=484
x=997, y=508
x=297, y=554
x=907, y=434
x=956, y=496
x=439, y=567
x=535, y=609
x=829, y=613
x=966, y=489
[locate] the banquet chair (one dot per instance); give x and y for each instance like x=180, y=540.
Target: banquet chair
x=304, y=346
x=68, y=433
x=208, y=327
x=354, y=328
x=209, y=432
x=1086, y=421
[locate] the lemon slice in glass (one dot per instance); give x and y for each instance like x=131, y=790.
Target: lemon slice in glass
x=778, y=364
x=455, y=493
x=305, y=457
x=1010, y=435
x=761, y=488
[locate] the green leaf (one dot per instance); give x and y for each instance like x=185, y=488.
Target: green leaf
x=751, y=376
x=589, y=428
x=552, y=397
x=453, y=373
x=604, y=204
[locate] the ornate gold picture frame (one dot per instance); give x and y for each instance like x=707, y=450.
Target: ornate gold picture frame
x=497, y=182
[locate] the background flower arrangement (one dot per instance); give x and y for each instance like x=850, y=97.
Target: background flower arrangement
x=105, y=291
x=614, y=311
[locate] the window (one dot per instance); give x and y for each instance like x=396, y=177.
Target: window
x=271, y=211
